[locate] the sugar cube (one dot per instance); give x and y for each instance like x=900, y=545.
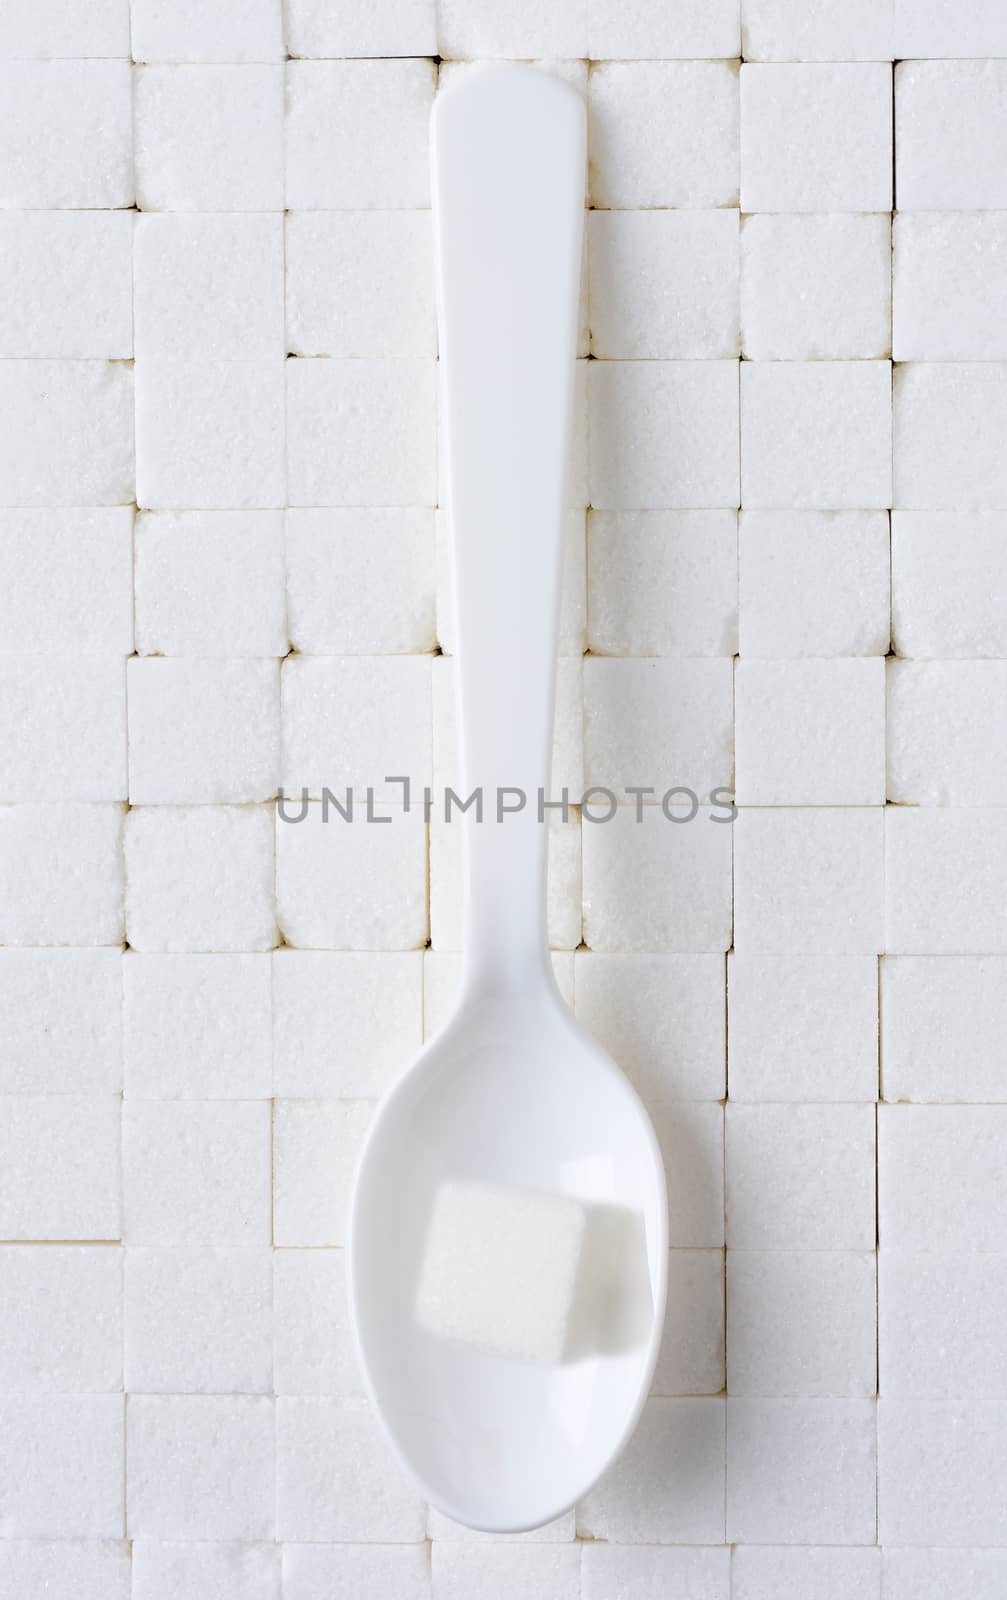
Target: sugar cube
x=197, y=1027
x=351, y=885
x=199, y=1321
x=335, y=1480
x=469, y=29
x=634, y=30
x=66, y=581
x=210, y=583
x=663, y=284
x=357, y=1571
x=200, y=878
x=816, y=137
x=171, y=1569
x=61, y=1318
x=315, y=1148
x=816, y=288
x=65, y=284
x=947, y=732
x=663, y=133
x=950, y=279
x=950, y=127
x=809, y=877
x=210, y=434
x=59, y=1167
x=356, y=135
x=800, y=1176
x=361, y=433
x=942, y=1474
x=208, y=288
x=344, y=28
x=196, y=1172
x=200, y=1467
x=62, y=871
x=188, y=30
x=973, y=28
x=659, y=724
x=802, y=1322
x=667, y=1487
x=813, y=583
x=67, y=1569
x=506, y=1570
x=816, y=434
x=62, y=727
x=653, y=1571
x=61, y=1459
x=203, y=732
x=68, y=427
x=361, y=581
x=660, y=883
x=60, y=1017
x=942, y=1019
x=940, y=1317
x=939, y=1183
x=664, y=434
x=810, y=733
x=354, y=721
x=802, y=1027
x=949, y=573
x=360, y=283
x=801, y=1472
x=65, y=141
x=530, y=1275
x=929, y=855
x=818, y=30
x=929, y=1574
x=949, y=423
x=209, y=138
x=660, y=1017
x=312, y=1329
x=781, y=1572
x=344, y=1023
x=662, y=583
x=55, y=28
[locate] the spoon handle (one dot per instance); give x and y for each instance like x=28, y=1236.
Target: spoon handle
x=508, y=183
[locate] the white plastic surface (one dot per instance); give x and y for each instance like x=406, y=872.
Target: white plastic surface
x=511, y=1092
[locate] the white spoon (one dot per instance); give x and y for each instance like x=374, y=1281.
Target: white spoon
x=512, y=1091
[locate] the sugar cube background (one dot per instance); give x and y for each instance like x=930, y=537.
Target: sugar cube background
x=209, y=583
x=814, y=583
x=66, y=136
x=816, y=138
x=209, y=137
x=816, y=287
x=66, y=284
x=651, y=148
x=68, y=427
x=201, y=1002
x=818, y=30
x=816, y=434
x=956, y=168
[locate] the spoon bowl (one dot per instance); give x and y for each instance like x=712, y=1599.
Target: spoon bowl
x=514, y=1095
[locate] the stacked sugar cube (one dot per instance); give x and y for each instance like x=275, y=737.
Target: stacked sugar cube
x=223, y=567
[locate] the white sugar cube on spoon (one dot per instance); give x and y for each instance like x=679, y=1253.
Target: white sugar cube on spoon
x=527, y=1274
